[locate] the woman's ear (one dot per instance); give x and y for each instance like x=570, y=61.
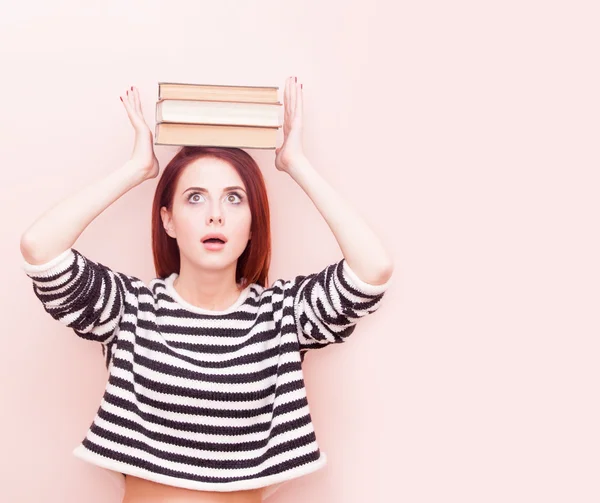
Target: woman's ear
x=167, y=221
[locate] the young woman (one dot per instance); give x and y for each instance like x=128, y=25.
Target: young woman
x=205, y=400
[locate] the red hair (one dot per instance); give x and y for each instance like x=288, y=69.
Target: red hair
x=253, y=263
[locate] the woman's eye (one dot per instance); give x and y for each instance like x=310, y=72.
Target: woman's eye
x=234, y=195
x=193, y=195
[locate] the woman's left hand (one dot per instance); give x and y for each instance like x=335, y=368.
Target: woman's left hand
x=291, y=151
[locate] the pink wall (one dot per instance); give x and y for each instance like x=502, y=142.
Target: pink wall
x=465, y=132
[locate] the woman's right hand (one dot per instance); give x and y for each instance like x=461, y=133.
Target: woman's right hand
x=143, y=157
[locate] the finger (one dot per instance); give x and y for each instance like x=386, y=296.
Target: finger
x=299, y=102
x=286, y=100
x=131, y=100
x=134, y=117
x=293, y=86
x=136, y=99
x=127, y=106
x=287, y=115
x=132, y=107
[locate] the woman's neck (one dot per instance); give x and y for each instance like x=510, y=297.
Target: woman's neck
x=215, y=290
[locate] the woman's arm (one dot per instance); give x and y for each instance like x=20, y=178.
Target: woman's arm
x=58, y=228
x=80, y=293
x=363, y=250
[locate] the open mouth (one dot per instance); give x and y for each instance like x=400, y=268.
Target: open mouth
x=214, y=240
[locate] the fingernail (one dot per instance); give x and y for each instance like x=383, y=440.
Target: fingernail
x=296, y=79
x=120, y=98
x=132, y=88
x=301, y=86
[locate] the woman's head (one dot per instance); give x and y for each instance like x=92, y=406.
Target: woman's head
x=198, y=194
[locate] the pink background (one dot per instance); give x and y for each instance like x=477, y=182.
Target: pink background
x=466, y=133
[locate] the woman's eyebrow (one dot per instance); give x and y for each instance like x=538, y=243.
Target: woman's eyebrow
x=202, y=189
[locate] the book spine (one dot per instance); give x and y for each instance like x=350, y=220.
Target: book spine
x=217, y=85
x=274, y=103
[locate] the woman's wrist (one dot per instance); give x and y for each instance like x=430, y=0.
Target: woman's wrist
x=136, y=173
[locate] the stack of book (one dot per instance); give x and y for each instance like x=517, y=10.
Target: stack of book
x=217, y=115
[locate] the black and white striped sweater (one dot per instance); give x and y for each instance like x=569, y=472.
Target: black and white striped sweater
x=202, y=399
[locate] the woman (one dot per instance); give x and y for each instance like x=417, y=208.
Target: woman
x=205, y=400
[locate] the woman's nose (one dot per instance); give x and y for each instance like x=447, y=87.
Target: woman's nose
x=215, y=214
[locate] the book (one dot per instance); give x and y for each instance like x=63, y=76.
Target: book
x=218, y=112
x=182, y=91
x=168, y=133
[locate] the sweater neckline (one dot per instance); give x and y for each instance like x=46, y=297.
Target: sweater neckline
x=196, y=309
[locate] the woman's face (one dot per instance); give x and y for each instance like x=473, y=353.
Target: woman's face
x=210, y=197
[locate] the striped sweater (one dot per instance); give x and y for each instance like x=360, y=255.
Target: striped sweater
x=196, y=398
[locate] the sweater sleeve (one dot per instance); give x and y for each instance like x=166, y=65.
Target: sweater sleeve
x=328, y=304
x=80, y=293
